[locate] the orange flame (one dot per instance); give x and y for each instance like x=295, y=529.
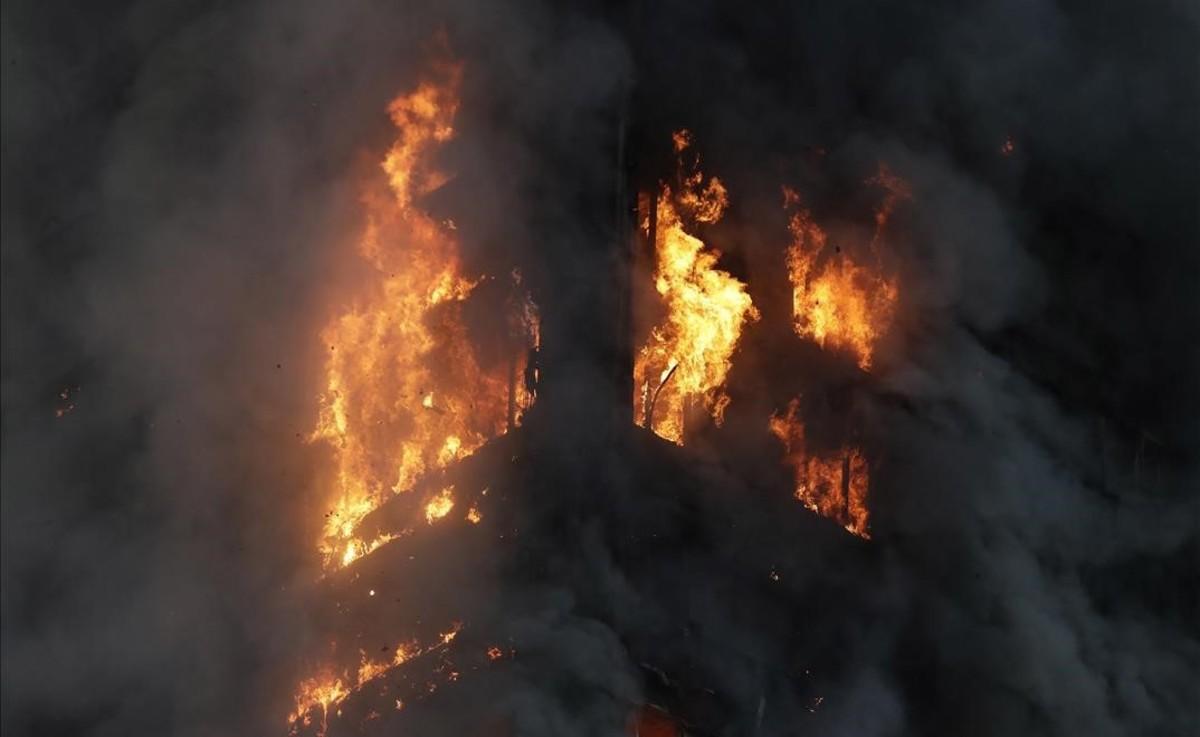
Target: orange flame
x=405, y=393
x=836, y=301
x=328, y=689
x=439, y=506
x=687, y=357
x=832, y=485
x=317, y=694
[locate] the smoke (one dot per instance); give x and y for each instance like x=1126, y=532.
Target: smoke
x=181, y=187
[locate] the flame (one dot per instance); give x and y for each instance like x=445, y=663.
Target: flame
x=439, y=506
x=833, y=485
x=328, y=690
x=317, y=694
x=356, y=548
x=687, y=357
x=448, y=636
x=836, y=301
x=840, y=304
x=369, y=669
x=405, y=393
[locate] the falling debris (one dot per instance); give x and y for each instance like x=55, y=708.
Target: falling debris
x=66, y=404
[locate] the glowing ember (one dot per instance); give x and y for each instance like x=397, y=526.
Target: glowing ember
x=449, y=635
x=68, y=404
x=405, y=393
x=837, y=302
x=686, y=359
x=833, y=485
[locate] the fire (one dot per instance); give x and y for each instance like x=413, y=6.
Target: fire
x=317, y=694
x=836, y=301
x=448, y=636
x=841, y=304
x=327, y=690
x=833, y=485
x=687, y=357
x=439, y=506
x=405, y=393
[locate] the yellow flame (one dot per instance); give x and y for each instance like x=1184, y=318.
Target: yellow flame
x=405, y=393
x=317, y=694
x=327, y=689
x=439, y=506
x=690, y=351
x=833, y=485
x=836, y=301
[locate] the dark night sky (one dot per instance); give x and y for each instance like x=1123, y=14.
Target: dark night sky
x=176, y=174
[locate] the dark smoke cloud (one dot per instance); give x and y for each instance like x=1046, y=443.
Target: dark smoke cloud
x=180, y=185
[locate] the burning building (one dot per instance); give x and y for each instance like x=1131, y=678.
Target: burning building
x=436, y=447
x=636, y=370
